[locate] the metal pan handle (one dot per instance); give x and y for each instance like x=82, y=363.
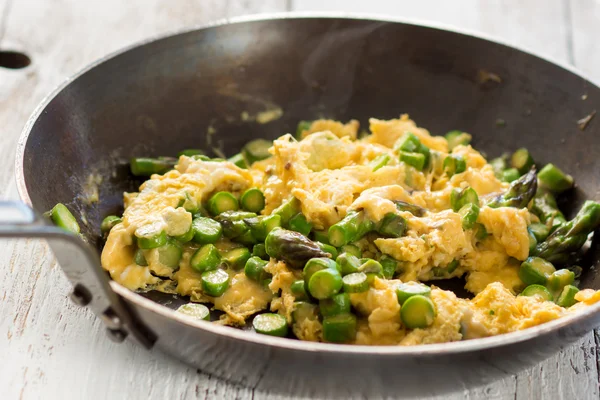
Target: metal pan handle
x=80, y=264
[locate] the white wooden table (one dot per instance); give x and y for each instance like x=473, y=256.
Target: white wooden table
x=51, y=349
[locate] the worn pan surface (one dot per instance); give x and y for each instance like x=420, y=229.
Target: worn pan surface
x=190, y=90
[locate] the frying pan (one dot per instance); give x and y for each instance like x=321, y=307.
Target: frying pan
x=204, y=87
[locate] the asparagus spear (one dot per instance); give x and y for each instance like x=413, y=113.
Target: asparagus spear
x=519, y=193
x=569, y=237
x=354, y=226
x=411, y=208
x=544, y=206
x=292, y=247
x=287, y=210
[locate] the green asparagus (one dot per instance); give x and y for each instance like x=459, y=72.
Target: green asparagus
x=302, y=126
x=380, y=161
x=348, y=263
x=143, y=166
x=221, y=202
x=170, y=253
x=259, y=250
x=535, y=270
x=351, y=249
x=461, y=197
x=270, y=324
x=469, y=214
x=559, y=279
x=287, y=210
x=255, y=269
x=567, y=296
x=238, y=160
x=411, y=208
x=253, y=200
x=569, y=237
x=261, y=225
x=325, y=283
x=552, y=178
x=392, y=226
x=140, y=258
x=327, y=248
x=417, y=312
x=537, y=290
x=354, y=226
x=233, y=223
x=315, y=265
x=292, y=247
x=540, y=231
x=108, y=223
x=196, y=311
x=416, y=160
x=150, y=236
x=62, y=217
x=456, y=138
x=389, y=265
x=298, y=289
x=337, y=304
x=206, y=258
x=510, y=175
x=356, y=282
x=215, y=282
x=545, y=208
x=340, y=328
x=406, y=290
x=206, y=230
x=522, y=161
x=236, y=258
x=256, y=150
x=454, y=164
x=190, y=152
x=519, y=194
x=299, y=224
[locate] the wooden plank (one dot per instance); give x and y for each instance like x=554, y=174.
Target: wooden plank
x=570, y=374
x=56, y=349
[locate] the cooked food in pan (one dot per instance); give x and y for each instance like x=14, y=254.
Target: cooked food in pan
x=335, y=236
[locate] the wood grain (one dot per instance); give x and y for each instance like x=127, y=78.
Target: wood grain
x=52, y=349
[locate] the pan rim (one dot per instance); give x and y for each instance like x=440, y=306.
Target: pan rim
x=461, y=347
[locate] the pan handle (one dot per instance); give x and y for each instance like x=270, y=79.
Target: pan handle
x=80, y=264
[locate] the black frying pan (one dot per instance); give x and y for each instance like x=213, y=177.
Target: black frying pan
x=167, y=94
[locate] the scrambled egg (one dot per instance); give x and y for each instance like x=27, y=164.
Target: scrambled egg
x=329, y=171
